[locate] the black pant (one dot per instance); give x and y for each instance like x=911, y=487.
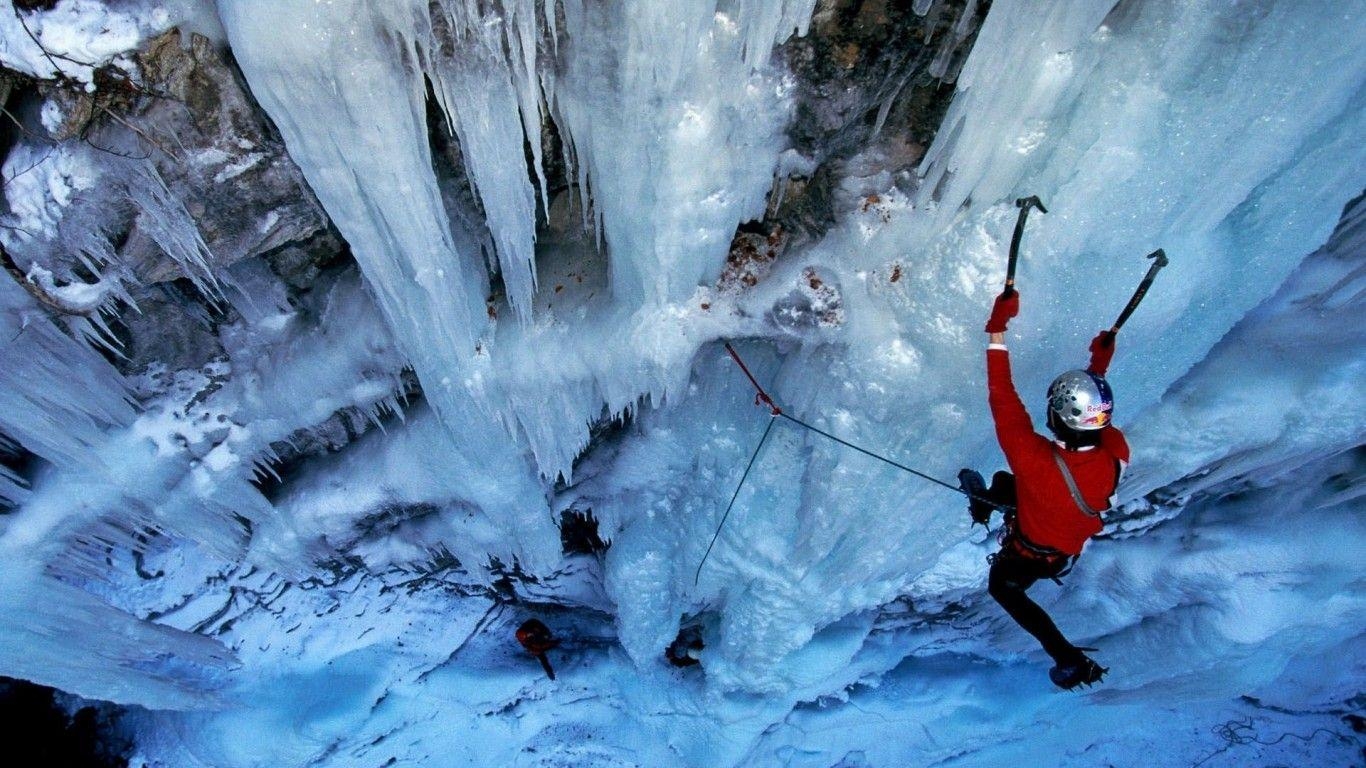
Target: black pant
x=1011, y=575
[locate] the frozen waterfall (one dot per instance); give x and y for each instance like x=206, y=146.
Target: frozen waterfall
x=663, y=199
x=307, y=491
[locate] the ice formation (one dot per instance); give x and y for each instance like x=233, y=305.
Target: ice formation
x=575, y=372
x=665, y=201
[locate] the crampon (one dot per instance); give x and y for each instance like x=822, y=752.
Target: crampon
x=1073, y=675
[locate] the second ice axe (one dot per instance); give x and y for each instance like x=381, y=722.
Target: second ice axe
x=1159, y=257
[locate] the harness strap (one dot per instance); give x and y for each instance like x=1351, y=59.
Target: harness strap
x=1010, y=536
x=1072, y=485
x=1013, y=539
x=1038, y=550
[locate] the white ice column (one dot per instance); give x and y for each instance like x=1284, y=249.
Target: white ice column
x=343, y=82
x=676, y=131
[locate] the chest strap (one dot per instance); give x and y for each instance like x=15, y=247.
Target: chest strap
x=1072, y=485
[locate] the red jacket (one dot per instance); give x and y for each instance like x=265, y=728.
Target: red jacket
x=1046, y=511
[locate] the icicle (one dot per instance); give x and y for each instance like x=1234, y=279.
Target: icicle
x=163, y=217
x=662, y=189
x=56, y=634
x=264, y=468
x=481, y=106
x=967, y=21
x=376, y=181
x=95, y=329
x=887, y=104
x=643, y=164
x=527, y=80
x=769, y=23
x=940, y=67
x=56, y=394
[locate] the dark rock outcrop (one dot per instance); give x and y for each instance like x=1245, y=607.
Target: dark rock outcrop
x=874, y=79
x=218, y=155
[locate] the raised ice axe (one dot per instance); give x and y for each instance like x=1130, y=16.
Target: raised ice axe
x=1160, y=260
x=1024, y=204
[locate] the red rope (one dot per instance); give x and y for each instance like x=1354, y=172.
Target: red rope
x=762, y=397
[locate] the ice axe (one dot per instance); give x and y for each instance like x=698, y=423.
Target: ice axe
x=1159, y=257
x=1024, y=204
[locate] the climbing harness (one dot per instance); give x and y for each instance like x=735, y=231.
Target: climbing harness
x=1013, y=543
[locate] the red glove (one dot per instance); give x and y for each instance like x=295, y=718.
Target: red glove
x=1102, y=350
x=1007, y=306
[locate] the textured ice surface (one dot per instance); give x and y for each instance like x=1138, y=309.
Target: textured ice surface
x=1211, y=630
x=61, y=423
x=1236, y=213
x=1200, y=127
x=1178, y=125
x=1300, y=349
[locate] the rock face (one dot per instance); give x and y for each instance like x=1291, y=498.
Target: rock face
x=874, y=79
x=185, y=131
x=219, y=156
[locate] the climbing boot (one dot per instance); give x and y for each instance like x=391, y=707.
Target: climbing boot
x=970, y=480
x=1076, y=672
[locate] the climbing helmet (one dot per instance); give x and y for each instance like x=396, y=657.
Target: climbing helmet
x=1081, y=401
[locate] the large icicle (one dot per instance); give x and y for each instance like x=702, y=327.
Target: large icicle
x=344, y=85
x=674, y=132
x=682, y=149
x=58, y=635
x=1023, y=68
x=675, y=138
x=485, y=83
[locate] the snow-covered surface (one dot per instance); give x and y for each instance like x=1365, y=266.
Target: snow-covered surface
x=330, y=624
x=40, y=182
x=1224, y=652
x=75, y=37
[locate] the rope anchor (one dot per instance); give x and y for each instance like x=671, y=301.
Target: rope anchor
x=760, y=396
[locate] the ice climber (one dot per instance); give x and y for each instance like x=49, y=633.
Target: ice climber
x=538, y=640
x=1057, y=488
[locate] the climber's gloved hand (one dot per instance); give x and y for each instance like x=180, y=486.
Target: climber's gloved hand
x=1102, y=350
x=1007, y=306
